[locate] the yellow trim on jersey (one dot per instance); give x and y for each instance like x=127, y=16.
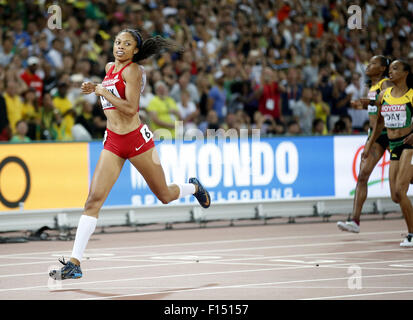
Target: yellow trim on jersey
x=378, y=85
x=406, y=98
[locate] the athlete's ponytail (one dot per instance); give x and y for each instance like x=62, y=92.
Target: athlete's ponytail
x=385, y=62
x=151, y=46
x=408, y=68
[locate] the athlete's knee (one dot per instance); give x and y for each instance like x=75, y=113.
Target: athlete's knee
x=400, y=192
x=363, y=177
x=395, y=197
x=164, y=196
x=93, y=204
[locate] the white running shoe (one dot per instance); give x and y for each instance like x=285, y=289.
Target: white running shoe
x=349, y=226
x=407, y=242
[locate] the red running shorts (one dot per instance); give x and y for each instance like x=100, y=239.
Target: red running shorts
x=130, y=144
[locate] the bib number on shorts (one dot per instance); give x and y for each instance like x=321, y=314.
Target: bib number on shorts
x=372, y=109
x=146, y=133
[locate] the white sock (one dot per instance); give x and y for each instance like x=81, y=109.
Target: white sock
x=86, y=227
x=186, y=189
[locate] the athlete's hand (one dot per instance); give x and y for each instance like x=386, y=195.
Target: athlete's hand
x=356, y=104
x=87, y=87
x=100, y=90
x=365, y=153
x=408, y=139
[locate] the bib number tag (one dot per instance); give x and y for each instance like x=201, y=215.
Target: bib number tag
x=146, y=133
x=394, y=119
x=270, y=104
x=372, y=109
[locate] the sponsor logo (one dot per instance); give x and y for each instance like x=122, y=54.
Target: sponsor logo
x=393, y=108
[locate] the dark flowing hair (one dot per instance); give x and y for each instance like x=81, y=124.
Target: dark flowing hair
x=151, y=46
x=407, y=67
x=385, y=62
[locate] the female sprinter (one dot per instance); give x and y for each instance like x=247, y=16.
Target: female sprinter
x=125, y=138
x=395, y=106
x=376, y=70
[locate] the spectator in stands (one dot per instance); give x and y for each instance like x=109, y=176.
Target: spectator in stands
x=319, y=127
x=84, y=127
x=30, y=77
x=14, y=105
x=5, y=131
x=163, y=112
x=291, y=93
x=21, y=37
x=310, y=71
x=356, y=91
x=243, y=39
x=304, y=111
x=184, y=84
x=322, y=109
x=55, y=54
x=187, y=110
x=340, y=100
x=30, y=113
x=6, y=50
x=21, y=132
x=203, y=86
x=217, y=96
x=346, y=118
x=293, y=128
x=50, y=118
x=68, y=114
x=269, y=94
x=211, y=122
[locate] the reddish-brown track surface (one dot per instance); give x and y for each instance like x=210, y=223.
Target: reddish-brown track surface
x=246, y=261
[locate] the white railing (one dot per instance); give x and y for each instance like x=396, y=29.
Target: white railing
x=183, y=213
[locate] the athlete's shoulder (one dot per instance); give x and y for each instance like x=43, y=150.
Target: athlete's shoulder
x=383, y=94
x=386, y=83
x=132, y=71
x=108, y=66
x=409, y=95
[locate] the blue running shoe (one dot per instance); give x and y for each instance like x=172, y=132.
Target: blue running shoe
x=202, y=194
x=68, y=271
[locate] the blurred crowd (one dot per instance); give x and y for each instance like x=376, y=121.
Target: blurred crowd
x=283, y=67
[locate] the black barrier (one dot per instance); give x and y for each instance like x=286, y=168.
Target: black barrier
x=21, y=163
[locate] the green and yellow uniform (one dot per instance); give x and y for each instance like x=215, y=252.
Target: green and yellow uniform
x=373, y=94
x=397, y=114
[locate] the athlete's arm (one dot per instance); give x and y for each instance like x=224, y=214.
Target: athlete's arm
x=129, y=106
x=386, y=84
x=89, y=87
x=377, y=128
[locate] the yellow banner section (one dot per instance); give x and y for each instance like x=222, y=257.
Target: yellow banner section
x=43, y=175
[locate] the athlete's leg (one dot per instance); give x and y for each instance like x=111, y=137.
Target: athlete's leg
x=404, y=175
x=106, y=173
x=366, y=168
x=360, y=196
x=149, y=166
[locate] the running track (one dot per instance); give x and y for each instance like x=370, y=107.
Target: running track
x=247, y=261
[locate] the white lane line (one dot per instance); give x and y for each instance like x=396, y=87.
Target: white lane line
x=360, y=295
x=220, y=261
x=335, y=235
x=209, y=251
x=255, y=285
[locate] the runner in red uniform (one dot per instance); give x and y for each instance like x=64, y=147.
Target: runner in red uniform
x=126, y=138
